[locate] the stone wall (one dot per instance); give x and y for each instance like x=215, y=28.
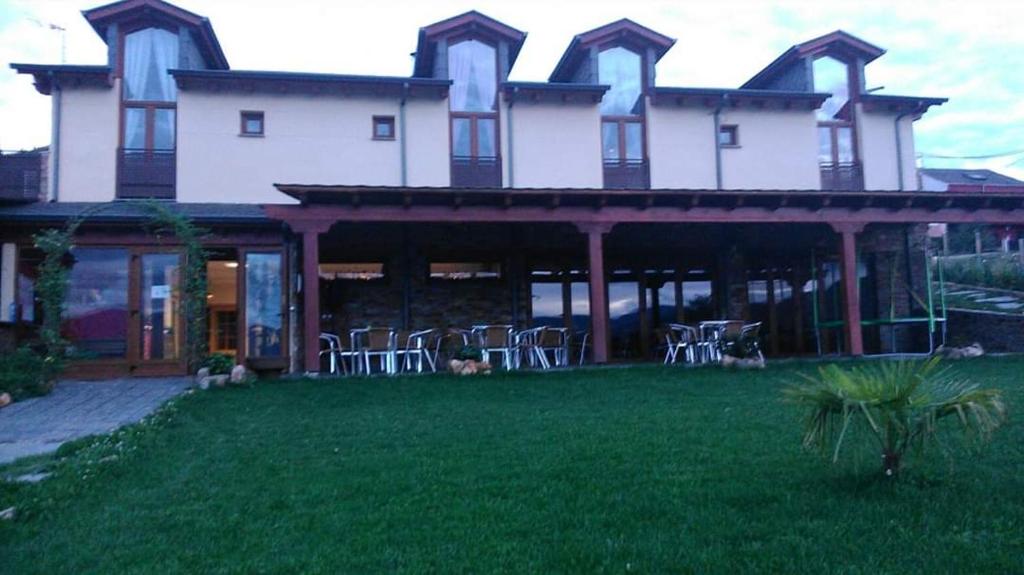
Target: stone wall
x=996, y=332
x=885, y=248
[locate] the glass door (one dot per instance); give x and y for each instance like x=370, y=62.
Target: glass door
x=157, y=325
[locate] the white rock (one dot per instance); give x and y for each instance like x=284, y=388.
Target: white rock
x=238, y=374
x=7, y=514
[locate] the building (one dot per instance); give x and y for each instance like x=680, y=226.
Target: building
x=967, y=180
x=598, y=199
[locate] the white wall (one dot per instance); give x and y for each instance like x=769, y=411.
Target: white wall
x=307, y=140
x=876, y=137
x=681, y=147
x=778, y=150
x=555, y=145
x=89, y=127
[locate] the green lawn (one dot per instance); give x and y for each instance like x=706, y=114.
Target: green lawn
x=646, y=470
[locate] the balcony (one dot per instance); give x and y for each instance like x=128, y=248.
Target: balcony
x=627, y=175
x=21, y=176
x=146, y=174
x=476, y=172
x=842, y=177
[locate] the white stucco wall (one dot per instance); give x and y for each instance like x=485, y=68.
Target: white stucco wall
x=555, y=145
x=89, y=127
x=307, y=140
x=681, y=147
x=777, y=150
x=876, y=138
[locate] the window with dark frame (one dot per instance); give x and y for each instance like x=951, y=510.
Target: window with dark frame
x=252, y=123
x=383, y=127
x=728, y=135
x=360, y=271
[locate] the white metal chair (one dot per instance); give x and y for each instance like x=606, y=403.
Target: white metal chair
x=495, y=339
x=584, y=338
x=681, y=338
x=379, y=343
x=417, y=353
x=332, y=351
x=555, y=341
x=752, y=332
x=528, y=347
x=448, y=343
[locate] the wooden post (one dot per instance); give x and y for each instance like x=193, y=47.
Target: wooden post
x=311, y=298
x=598, y=289
x=851, y=291
x=680, y=302
x=773, y=316
x=798, y=309
x=567, y=300
x=645, y=324
x=656, y=304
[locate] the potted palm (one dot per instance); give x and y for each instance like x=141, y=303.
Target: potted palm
x=901, y=404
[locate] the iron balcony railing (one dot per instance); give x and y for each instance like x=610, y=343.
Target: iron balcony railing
x=627, y=174
x=146, y=173
x=21, y=176
x=842, y=177
x=476, y=172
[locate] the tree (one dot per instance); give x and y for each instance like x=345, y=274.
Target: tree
x=900, y=403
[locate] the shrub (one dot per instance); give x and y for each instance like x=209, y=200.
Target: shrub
x=900, y=403
x=25, y=373
x=219, y=363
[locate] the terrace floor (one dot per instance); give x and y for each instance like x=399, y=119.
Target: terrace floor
x=622, y=469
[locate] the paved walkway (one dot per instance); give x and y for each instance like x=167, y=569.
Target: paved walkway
x=78, y=408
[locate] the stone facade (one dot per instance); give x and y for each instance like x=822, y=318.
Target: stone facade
x=996, y=332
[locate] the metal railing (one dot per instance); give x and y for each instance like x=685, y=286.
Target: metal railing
x=627, y=174
x=476, y=172
x=21, y=176
x=842, y=177
x=146, y=173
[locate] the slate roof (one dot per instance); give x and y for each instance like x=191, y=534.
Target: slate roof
x=975, y=177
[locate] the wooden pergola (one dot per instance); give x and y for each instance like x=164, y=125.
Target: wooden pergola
x=594, y=212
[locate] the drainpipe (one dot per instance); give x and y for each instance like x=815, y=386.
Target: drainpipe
x=55, y=140
x=401, y=133
x=718, y=147
x=899, y=151
x=511, y=163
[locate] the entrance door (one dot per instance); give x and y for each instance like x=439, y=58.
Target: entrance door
x=156, y=320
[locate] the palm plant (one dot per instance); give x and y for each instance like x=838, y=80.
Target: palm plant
x=900, y=402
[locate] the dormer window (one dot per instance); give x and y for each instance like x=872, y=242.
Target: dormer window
x=832, y=76
x=472, y=66
x=148, y=54
x=622, y=119
x=620, y=68
x=473, y=69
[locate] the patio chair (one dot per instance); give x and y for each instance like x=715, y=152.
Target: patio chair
x=379, y=343
x=584, y=338
x=342, y=359
x=555, y=341
x=418, y=351
x=448, y=343
x=495, y=339
x=528, y=345
x=752, y=332
x=681, y=338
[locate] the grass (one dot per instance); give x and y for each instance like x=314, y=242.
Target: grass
x=645, y=470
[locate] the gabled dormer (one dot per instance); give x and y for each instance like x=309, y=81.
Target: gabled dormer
x=476, y=53
x=622, y=56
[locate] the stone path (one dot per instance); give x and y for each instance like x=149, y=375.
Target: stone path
x=78, y=408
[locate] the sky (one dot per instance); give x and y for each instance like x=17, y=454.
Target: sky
x=969, y=52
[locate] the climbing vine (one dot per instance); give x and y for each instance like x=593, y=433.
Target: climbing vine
x=193, y=280
x=54, y=276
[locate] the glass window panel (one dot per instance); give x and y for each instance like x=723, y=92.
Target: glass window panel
x=824, y=145
x=148, y=54
x=96, y=312
x=620, y=68
x=222, y=303
x=159, y=305
x=134, y=128
x=698, y=301
x=382, y=128
x=472, y=67
x=352, y=271
x=461, y=137
x=464, y=270
x=547, y=303
x=831, y=76
x=254, y=125
x=610, y=140
x=263, y=327
x=485, y=138
x=844, y=144
x=634, y=141
x=163, y=129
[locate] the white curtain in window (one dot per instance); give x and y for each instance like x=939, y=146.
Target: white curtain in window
x=472, y=68
x=148, y=54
